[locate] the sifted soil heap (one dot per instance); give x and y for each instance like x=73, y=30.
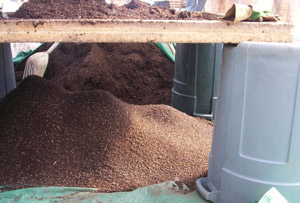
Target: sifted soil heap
x=135, y=73
x=91, y=9
x=50, y=136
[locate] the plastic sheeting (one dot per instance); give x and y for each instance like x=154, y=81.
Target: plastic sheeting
x=163, y=192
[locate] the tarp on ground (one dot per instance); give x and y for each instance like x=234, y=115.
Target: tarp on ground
x=163, y=192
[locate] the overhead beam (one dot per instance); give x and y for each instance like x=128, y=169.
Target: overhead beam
x=107, y=30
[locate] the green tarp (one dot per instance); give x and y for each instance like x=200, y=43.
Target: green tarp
x=272, y=196
x=164, y=192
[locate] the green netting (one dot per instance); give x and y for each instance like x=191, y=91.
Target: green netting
x=163, y=192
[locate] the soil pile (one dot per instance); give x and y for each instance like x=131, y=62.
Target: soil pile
x=91, y=9
x=135, y=73
x=50, y=136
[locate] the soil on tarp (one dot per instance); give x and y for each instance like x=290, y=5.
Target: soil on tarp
x=135, y=73
x=52, y=137
x=91, y=9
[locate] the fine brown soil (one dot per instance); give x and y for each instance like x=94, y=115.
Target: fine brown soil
x=134, y=73
x=65, y=130
x=50, y=136
x=91, y=9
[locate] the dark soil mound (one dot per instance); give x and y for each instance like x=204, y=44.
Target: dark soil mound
x=91, y=9
x=135, y=73
x=50, y=136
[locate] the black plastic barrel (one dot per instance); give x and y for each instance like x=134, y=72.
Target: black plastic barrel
x=196, y=78
x=7, y=72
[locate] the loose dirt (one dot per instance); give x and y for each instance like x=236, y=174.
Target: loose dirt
x=50, y=136
x=135, y=73
x=54, y=133
x=91, y=9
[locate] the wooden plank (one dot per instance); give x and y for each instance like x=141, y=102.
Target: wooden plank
x=179, y=31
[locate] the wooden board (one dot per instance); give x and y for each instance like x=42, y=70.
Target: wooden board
x=179, y=31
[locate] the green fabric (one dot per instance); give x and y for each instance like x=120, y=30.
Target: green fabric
x=163, y=192
x=164, y=47
x=21, y=56
x=257, y=14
